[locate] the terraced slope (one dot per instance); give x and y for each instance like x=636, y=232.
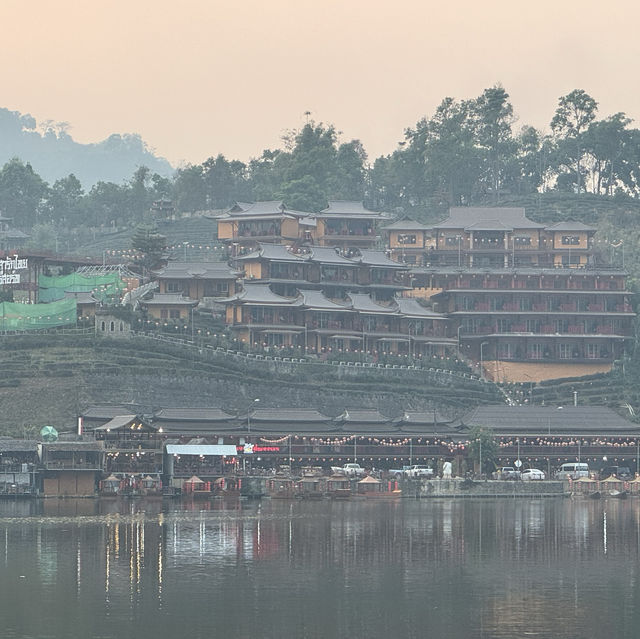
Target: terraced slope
x=48, y=379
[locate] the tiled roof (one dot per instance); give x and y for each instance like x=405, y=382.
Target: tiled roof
x=406, y=225
x=271, y=207
x=377, y=258
x=328, y=255
x=192, y=414
x=287, y=415
x=168, y=299
x=317, y=300
x=570, y=225
x=197, y=270
x=74, y=446
x=549, y=419
x=10, y=445
x=349, y=208
x=117, y=422
x=489, y=225
x=410, y=306
x=262, y=294
x=362, y=416
x=462, y=217
x=277, y=252
x=363, y=303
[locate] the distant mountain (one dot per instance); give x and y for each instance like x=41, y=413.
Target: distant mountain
x=54, y=154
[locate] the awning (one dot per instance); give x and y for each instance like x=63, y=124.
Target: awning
x=358, y=337
x=202, y=450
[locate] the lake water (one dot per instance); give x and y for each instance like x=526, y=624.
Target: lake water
x=297, y=569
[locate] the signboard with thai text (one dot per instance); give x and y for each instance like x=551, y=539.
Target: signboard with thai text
x=9, y=267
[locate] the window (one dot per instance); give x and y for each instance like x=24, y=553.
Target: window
x=215, y=289
x=174, y=286
x=591, y=351
x=505, y=351
x=504, y=326
x=174, y=313
x=406, y=239
x=561, y=325
x=564, y=351
x=522, y=240
x=535, y=351
x=533, y=326
x=572, y=240
x=164, y=313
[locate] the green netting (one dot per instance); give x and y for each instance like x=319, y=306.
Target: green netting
x=52, y=288
x=30, y=317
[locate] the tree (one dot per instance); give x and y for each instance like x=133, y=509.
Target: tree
x=608, y=145
x=139, y=195
x=150, y=244
x=494, y=115
x=575, y=112
x=106, y=204
x=66, y=201
x=482, y=441
x=23, y=193
x=189, y=189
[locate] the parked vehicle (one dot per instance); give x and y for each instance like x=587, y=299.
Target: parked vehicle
x=419, y=471
x=399, y=473
x=532, y=474
x=621, y=472
x=507, y=472
x=412, y=472
x=350, y=470
x=573, y=470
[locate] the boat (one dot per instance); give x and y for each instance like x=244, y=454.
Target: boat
x=595, y=495
x=619, y=494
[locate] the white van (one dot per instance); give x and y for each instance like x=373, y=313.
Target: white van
x=573, y=470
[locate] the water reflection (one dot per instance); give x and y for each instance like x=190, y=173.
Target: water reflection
x=86, y=568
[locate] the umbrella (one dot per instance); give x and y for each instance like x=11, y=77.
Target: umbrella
x=48, y=434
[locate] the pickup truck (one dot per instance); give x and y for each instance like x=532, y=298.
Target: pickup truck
x=412, y=472
x=506, y=472
x=350, y=470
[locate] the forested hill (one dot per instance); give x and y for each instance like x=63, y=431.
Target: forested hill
x=467, y=153
x=54, y=154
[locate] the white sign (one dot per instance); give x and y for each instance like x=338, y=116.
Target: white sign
x=517, y=463
x=9, y=266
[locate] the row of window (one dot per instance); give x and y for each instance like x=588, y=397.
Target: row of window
x=561, y=351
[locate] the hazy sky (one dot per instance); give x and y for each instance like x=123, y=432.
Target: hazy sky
x=200, y=77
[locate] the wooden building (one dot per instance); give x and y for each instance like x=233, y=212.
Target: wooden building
x=71, y=469
x=342, y=224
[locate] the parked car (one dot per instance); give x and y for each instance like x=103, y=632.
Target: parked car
x=419, y=471
x=621, y=472
x=350, y=470
x=506, y=472
x=532, y=474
